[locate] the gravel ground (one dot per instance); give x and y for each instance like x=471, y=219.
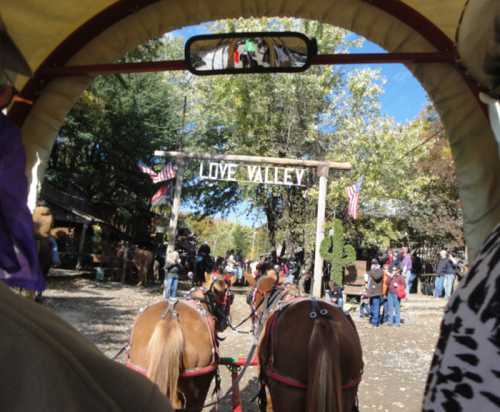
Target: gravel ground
x=396, y=359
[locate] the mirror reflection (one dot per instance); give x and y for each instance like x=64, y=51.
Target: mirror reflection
x=249, y=52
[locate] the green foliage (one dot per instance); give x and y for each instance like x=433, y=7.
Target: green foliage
x=284, y=115
x=117, y=122
x=334, y=250
x=409, y=192
x=223, y=236
x=241, y=239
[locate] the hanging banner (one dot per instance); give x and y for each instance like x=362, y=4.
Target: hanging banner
x=236, y=172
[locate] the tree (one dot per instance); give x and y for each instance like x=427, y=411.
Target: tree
x=241, y=239
x=118, y=122
x=439, y=218
x=285, y=115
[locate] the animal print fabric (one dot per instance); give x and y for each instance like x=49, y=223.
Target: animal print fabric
x=465, y=371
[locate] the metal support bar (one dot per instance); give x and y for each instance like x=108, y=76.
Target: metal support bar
x=364, y=58
x=114, y=68
x=320, y=229
x=174, y=65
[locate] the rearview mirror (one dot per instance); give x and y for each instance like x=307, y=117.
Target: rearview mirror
x=233, y=53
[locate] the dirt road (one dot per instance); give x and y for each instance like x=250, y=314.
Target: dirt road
x=396, y=359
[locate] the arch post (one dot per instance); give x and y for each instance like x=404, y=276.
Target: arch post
x=322, y=171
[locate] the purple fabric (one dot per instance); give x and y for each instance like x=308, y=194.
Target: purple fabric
x=19, y=266
x=406, y=265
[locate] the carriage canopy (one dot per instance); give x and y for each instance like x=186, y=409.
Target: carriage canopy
x=51, y=34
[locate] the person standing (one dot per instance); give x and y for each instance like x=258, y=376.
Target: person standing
x=397, y=288
x=387, y=273
x=443, y=267
x=172, y=270
x=389, y=258
x=374, y=292
x=445, y=272
x=406, y=266
x=19, y=258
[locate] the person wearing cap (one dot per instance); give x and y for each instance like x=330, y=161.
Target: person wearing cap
x=374, y=291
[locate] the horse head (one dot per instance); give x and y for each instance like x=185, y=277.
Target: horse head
x=219, y=299
x=263, y=291
x=266, y=285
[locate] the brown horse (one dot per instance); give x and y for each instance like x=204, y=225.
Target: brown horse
x=310, y=354
x=249, y=279
x=174, y=343
x=142, y=259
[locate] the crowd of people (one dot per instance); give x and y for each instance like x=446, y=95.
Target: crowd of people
x=390, y=278
x=389, y=283
x=232, y=264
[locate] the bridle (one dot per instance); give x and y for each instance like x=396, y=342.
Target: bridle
x=216, y=305
x=270, y=299
x=272, y=306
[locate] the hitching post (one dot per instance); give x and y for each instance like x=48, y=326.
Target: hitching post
x=322, y=171
x=176, y=205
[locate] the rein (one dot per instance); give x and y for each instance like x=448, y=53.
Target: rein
x=235, y=328
x=249, y=358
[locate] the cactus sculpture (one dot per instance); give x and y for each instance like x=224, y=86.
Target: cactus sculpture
x=336, y=252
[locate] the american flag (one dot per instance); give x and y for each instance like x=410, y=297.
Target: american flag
x=147, y=170
x=167, y=173
x=353, y=195
x=160, y=197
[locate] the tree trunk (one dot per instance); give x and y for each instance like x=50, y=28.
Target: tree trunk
x=271, y=225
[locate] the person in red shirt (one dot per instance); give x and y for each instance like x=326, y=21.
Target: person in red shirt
x=397, y=288
x=389, y=260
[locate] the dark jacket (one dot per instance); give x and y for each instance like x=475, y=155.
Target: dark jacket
x=173, y=270
x=445, y=267
x=375, y=282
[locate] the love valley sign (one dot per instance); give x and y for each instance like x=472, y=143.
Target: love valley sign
x=256, y=169
x=236, y=172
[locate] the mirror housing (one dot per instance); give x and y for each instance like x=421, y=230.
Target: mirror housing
x=254, y=52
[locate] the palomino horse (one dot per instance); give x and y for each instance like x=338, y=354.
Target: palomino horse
x=309, y=354
x=174, y=343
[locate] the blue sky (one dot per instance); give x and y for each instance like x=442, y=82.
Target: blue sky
x=403, y=96
x=403, y=99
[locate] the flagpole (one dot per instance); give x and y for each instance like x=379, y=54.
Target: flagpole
x=179, y=177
